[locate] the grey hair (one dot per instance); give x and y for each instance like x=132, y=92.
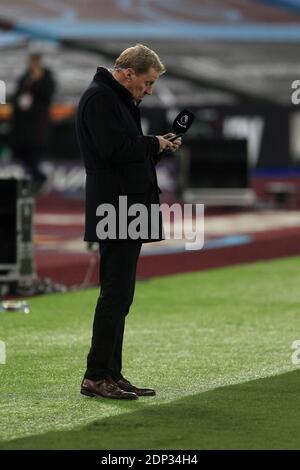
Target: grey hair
x=140, y=58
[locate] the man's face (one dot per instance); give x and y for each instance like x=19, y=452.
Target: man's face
x=141, y=85
x=34, y=63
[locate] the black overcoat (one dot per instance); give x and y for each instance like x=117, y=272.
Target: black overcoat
x=32, y=127
x=119, y=160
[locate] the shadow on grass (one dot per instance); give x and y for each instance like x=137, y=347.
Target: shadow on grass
x=261, y=414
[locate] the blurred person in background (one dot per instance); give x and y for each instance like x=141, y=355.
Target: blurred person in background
x=31, y=127
x=119, y=160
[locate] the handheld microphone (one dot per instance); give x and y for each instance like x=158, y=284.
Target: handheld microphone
x=181, y=124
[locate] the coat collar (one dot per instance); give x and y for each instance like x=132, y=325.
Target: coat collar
x=103, y=75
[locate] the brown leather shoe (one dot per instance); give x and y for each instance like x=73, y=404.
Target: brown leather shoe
x=106, y=388
x=141, y=392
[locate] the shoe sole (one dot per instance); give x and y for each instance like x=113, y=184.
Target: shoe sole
x=95, y=395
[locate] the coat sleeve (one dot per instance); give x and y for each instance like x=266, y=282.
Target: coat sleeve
x=19, y=88
x=165, y=153
x=111, y=140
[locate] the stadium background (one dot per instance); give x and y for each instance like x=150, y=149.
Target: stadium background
x=232, y=63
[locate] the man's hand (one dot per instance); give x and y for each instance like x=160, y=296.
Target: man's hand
x=176, y=143
x=165, y=144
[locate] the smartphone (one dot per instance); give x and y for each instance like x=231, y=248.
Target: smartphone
x=171, y=139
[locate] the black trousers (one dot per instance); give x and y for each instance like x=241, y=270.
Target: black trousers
x=118, y=260
x=31, y=157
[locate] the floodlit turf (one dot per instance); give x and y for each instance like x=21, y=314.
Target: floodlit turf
x=216, y=345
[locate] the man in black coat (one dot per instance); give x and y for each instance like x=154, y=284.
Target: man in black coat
x=120, y=163
x=31, y=127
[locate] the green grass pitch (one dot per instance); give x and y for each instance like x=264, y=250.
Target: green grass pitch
x=216, y=345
